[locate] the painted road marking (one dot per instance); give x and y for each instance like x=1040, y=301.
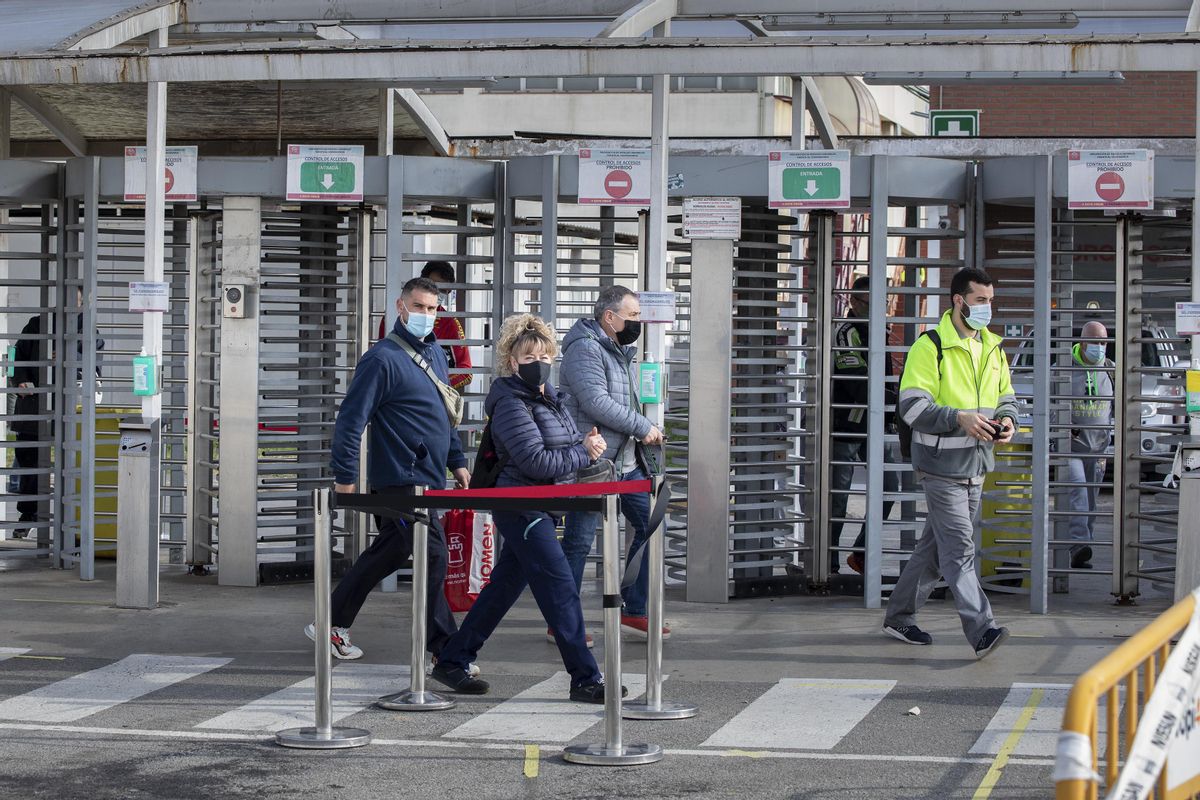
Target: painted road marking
x=1011, y=742
x=94, y=691
x=12, y=652
x=532, y=757
x=541, y=713
x=1041, y=732
x=831, y=709
x=355, y=687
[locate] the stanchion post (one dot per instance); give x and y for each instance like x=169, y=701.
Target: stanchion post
x=613, y=752
x=323, y=736
x=415, y=698
x=654, y=707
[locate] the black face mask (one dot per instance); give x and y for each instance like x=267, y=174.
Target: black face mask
x=630, y=333
x=535, y=373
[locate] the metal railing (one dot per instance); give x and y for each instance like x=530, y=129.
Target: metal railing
x=1135, y=664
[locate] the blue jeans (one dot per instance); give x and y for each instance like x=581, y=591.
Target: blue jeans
x=530, y=555
x=580, y=532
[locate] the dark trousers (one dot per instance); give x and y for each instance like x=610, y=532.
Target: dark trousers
x=530, y=555
x=26, y=458
x=388, y=553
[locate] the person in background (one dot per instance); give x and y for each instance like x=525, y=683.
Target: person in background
x=446, y=329
x=1091, y=423
x=537, y=444
x=597, y=373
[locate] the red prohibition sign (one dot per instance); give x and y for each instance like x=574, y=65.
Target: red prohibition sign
x=1110, y=186
x=618, y=183
x=170, y=179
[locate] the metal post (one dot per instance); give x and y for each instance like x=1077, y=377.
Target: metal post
x=878, y=272
x=822, y=282
x=138, y=466
x=654, y=707
x=709, y=383
x=613, y=753
x=1040, y=528
x=323, y=736
x=547, y=305
x=415, y=698
x=799, y=101
x=88, y=271
x=1194, y=418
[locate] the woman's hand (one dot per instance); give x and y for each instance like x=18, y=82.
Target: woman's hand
x=594, y=444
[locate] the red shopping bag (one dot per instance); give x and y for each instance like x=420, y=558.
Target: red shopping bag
x=471, y=543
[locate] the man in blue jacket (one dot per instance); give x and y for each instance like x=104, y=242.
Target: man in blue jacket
x=597, y=374
x=412, y=443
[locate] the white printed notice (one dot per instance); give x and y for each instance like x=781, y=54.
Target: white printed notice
x=712, y=217
x=1110, y=179
x=179, y=174
x=149, y=296
x=325, y=172
x=657, y=306
x=614, y=177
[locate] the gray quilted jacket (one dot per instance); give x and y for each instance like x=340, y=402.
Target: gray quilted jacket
x=597, y=375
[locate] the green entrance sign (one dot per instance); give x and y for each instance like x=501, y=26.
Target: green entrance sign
x=332, y=177
x=954, y=122
x=812, y=183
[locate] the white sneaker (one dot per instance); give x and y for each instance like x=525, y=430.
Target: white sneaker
x=339, y=642
x=472, y=669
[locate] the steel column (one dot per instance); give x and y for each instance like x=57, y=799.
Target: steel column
x=709, y=387
x=876, y=356
x=547, y=307
x=238, y=495
x=1040, y=527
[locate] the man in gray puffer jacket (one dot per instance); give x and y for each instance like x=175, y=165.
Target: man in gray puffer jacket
x=597, y=375
x=1091, y=425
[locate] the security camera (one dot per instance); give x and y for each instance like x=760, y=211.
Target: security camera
x=944, y=223
x=233, y=301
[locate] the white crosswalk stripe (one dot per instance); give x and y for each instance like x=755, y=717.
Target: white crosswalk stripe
x=807, y=714
x=541, y=713
x=11, y=652
x=355, y=687
x=1040, y=736
x=91, y=692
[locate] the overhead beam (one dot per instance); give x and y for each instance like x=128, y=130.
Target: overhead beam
x=49, y=116
x=820, y=114
x=113, y=31
x=425, y=120
x=410, y=60
x=640, y=18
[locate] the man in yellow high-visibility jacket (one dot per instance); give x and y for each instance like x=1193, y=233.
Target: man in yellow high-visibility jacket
x=957, y=397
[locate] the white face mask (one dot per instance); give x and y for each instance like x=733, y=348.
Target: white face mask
x=977, y=317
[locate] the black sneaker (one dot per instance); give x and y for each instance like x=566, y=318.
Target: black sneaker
x=1081, y=557
x=990, y=641
x=592, y=692
x=909, y=634
x=459, y=680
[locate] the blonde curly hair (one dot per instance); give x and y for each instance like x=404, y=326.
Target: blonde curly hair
x=520, y=334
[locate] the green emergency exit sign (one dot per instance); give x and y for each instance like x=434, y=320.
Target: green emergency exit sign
x=333, y=177
x=812, y=183
x=954, y=122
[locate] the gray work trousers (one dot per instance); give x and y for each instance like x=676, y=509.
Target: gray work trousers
x=1083, y=498
x=946, y=548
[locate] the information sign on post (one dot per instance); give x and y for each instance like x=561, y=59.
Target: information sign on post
x=712, y=217
x=1122, y=179
x=614, y=177
x=325, y=172
x=657, y=307
x=808, y=179
x=179, y=174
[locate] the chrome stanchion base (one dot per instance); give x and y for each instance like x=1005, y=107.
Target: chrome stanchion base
x=660, y=711
x=599, y=755
x=408, y=700
x=312, y=739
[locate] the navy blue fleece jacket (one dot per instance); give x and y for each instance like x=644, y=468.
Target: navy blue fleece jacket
x=411, y=441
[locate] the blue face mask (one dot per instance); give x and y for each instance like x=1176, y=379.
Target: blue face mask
x=977, y=317
x=1093, y=353
x=419, y=325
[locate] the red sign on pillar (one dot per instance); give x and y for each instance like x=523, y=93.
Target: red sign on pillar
x=618, y=184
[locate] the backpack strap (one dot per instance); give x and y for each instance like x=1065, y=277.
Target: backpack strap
x=936, y=338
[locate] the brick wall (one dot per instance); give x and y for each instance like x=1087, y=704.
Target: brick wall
x=1146, y=104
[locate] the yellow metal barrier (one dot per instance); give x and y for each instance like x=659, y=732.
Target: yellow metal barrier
x=1137, y=662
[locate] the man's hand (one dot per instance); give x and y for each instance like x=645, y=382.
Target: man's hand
x=343, y=488
x=1007, y=434
x=462, y=478
x=977, y=426
x=655, y=436
x=594, y=444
